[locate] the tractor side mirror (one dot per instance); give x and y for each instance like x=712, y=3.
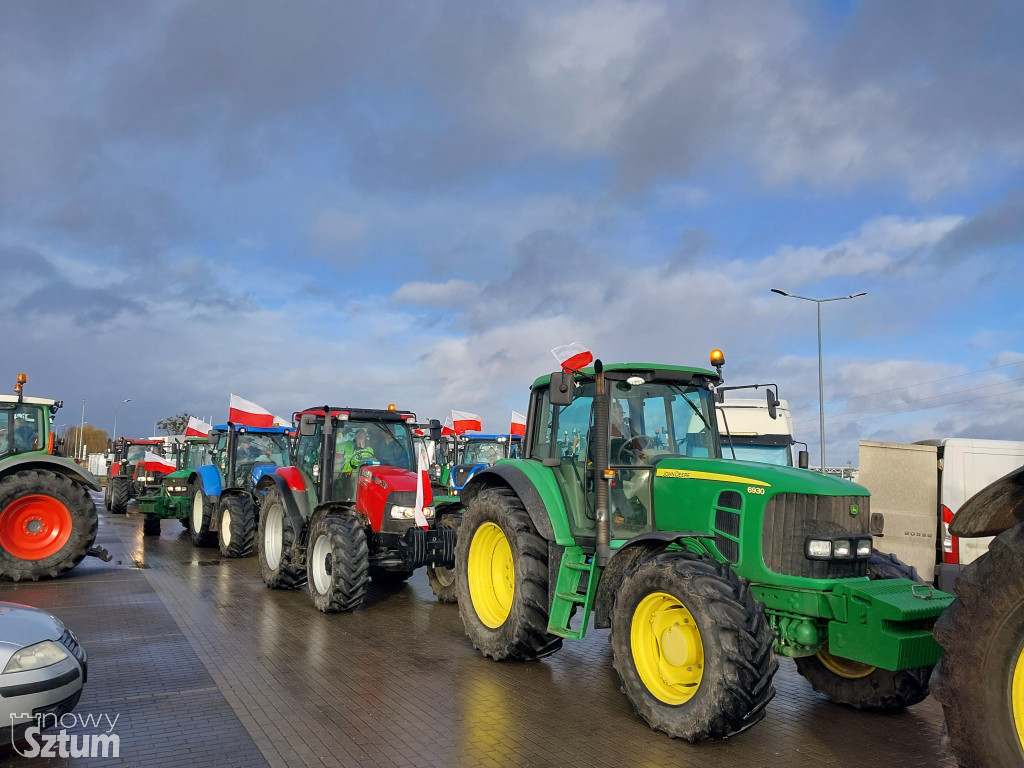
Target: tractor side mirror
x=307, y=424
x=803, y=459
x=211, y=439
x=773, y=403
x=562, y=386
x=435, y=430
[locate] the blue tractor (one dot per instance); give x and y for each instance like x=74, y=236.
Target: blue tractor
x=223, y=500
x=475, y=452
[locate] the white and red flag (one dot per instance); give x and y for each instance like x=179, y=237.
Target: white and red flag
x=573, y=357
x=448, y=428
x=247, y=413
x=464, y=421
x=424, y=497
x=197, y=427
x=153, y=463
x=518, y=425
x=279, y=422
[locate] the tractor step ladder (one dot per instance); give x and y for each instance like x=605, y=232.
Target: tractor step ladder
x=568, y=596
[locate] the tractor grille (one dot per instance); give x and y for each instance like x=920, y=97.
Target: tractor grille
x=790, y=517
x=727, y=521
x=461, y=473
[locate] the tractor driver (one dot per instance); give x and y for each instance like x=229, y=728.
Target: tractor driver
x=392, y=453
x=355, y=451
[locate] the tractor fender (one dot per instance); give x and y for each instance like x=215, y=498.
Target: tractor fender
x=296, y=506
x=209, y=478
x=539, y=507
x=992, y=510
x=45, y=461
x=624, y=558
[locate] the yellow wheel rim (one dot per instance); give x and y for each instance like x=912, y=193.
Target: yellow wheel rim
x=492, y=577
x=1017, y=696
x=851, y=670
x=667, y=649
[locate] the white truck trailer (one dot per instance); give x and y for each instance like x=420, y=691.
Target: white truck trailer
x=749, y=430
x=919, y=487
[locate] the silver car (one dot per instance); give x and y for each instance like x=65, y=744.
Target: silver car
x=44, y=669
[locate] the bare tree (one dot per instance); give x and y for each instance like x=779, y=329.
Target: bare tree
x=174, y=425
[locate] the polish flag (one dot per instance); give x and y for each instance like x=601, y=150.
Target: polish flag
x=424, y=497
x=573, y=357
x=464, y=421
x=279, y=422
x=247, y=413
x=518, y=426
x=197, y=427
x=153, y=463
x=447, y=428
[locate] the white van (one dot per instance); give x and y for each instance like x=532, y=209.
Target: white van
x=920, y=486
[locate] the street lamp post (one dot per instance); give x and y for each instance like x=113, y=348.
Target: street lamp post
x=81, y=434
x=821, y=380
x=126, y=400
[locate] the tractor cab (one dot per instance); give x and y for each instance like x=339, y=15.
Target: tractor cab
x=475, y=452
x=244, y=454
x=24, y=424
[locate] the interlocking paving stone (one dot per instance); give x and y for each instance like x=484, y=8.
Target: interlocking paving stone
x=208, y=667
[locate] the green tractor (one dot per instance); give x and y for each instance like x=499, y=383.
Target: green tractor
x=171, y=500
x=980, y=680
x=47, y=519
x=622, y=511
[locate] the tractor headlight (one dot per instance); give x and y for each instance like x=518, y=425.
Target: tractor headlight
x=819, y=549
x=842, y=548
x=864, y=547
x=409, y=513
x=316, y=472
x=36, y=657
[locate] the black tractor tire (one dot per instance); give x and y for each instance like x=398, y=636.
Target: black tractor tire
x=106, y=494
x=18, y=514
x=337, y=563
x=199, y=511
x=388, y=579
x=276, y=544
x=862, y=686
x=236, y=532
x=120, y=494
x=440, y=578
x=150, y=525
x=503, y=621
x=981, y=676
x=719, y=641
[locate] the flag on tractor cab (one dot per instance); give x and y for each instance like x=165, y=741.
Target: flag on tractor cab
x=573, y=357
x=518, y=425
x=448, y=428
x=424, y=497
x=464, y=421
x=151, y=462
x=197, y=427
x=247, y=413
x=279, y=422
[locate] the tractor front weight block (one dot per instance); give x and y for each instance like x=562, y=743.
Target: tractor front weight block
x=434, y=546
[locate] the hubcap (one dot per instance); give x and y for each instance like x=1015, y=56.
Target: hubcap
x=197, y=512
x=667, y=648
x=851, y=670
x=273, y=533
x=492, y=578
x=35, y=527
x=322, y=564
x=225, y=526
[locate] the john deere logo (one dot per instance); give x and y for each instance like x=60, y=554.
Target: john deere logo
x=854, y=509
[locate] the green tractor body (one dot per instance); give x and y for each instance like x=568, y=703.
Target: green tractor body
x=622, y=512
x=171, y=499
x=48, y=521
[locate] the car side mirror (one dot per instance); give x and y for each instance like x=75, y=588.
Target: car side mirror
x=307, y=424
x=562, y=388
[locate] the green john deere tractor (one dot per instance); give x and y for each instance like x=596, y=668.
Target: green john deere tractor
x=171, y=501
x=47, y=519
x=622, y=511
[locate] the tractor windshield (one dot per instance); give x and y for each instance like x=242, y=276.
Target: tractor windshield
x=198, y=455
x=137, y=452
x=254, y=448
x=22, y=428
x=655, y=420
x=368, y=442
x=484, y=452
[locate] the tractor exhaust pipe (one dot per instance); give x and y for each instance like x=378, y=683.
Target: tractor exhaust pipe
x=601, y=400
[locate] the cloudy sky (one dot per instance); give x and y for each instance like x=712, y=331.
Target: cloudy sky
x=413, y=202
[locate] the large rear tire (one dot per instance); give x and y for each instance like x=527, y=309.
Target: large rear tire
x=236, y=532
x=119, y=496
x=337, y=563
x=199, y=517
x=861, y=685
x=47, y=525
x=980, y=679
x=692, y=647
x=276, y=543
x=440, y=578
x=150, y=525
x=501, y=579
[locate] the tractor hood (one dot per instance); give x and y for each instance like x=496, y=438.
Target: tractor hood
x=388, y=478
x=772, y=478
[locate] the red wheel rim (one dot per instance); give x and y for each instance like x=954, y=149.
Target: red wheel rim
x=34, y=527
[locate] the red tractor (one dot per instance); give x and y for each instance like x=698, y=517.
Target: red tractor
x=125, y=481
x=346, y=512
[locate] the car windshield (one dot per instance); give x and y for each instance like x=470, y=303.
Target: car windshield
x=22, y=428
x=766, y=454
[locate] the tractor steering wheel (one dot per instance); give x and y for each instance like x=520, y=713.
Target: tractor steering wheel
x=634, y=447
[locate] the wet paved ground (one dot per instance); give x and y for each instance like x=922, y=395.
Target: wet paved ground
x=204, y=666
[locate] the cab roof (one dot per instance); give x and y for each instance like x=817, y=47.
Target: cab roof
x=481, y=436
x=27, y=400
x=254, y=430
x=658, y=371
x=360, y=414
